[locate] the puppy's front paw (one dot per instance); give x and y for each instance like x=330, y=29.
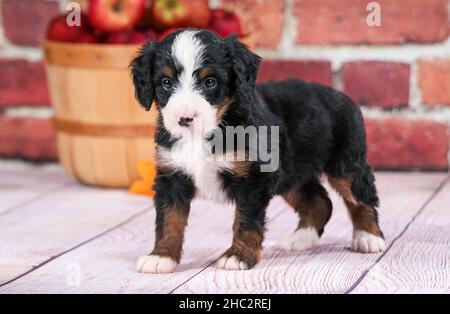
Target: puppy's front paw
x=302, y=239
x=155, y=264
x=232, y=263
x=366, y=242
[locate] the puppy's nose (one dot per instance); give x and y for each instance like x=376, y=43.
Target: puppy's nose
x=185, y=121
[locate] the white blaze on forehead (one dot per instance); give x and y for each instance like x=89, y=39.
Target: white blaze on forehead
x=188, y=51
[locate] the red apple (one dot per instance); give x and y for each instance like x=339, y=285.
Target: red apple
x=180, y=13
x=88, y=39
x=166, y=33
x=118, y=38
x=225, y=23
x=115, y=15
x=146, y=20
x=126, y=37
x=59, y=30
x=149, y=33
x=137, y=38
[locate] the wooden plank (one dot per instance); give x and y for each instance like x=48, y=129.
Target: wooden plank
x=107, y=265
x=330, y=267
x=90, y=56
x=419, y=261
x=20, y=183
x=40, y=230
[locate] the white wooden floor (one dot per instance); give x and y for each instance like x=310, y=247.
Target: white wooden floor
x=57, y=236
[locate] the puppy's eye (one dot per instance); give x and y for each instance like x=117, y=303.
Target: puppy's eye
x=167, y=84
x=210, y=82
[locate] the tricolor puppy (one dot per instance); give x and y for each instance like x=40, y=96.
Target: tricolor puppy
x=204, y=87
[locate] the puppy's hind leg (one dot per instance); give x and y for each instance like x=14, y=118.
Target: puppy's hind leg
x=361, y=198
x=314, y=207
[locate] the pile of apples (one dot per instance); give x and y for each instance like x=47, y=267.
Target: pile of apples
x=138, y=21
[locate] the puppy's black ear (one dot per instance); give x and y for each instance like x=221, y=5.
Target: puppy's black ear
x=245, y=66
x=141, y=71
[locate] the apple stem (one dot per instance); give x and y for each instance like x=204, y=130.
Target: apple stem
x=171, y=4
x=118, y=6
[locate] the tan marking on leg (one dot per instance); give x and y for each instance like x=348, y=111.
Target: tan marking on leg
x=245, y=251
x=170, y=242
x=363, y=216
x=297, y=202
x=344, y=188
x=311, y=202
x=314, y=212
x=247, y=244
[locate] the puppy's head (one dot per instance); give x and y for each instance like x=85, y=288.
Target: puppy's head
x=194, y=76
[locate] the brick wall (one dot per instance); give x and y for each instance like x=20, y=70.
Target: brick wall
x=398, y=72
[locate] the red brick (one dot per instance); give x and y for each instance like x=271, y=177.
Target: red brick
x=313, y=71
x=25, y=21
x=344, y=22
x=377, y=84
x=434, y=80
x=22, y=83
x=396, y=143
x=263, y=19
x=28, y=138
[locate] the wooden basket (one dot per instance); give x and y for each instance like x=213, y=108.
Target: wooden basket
x=102, y=132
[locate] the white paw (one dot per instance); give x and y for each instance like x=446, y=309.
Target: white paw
x=302, y=239
x=365, y=242
x=231, y=263
x=155, y=264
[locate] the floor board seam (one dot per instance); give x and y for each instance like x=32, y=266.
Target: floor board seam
x=421, y=209
x=52, y=258
x=35, y=198
x=193, y=276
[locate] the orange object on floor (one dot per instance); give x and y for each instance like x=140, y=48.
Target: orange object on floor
x=147, y=172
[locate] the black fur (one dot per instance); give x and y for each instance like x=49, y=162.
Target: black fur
x=142, y=70
x=321, y=132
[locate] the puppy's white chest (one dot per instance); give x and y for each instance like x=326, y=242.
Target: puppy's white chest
x=196, y=160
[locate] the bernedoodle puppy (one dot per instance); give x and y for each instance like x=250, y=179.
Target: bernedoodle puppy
x=222, y=137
